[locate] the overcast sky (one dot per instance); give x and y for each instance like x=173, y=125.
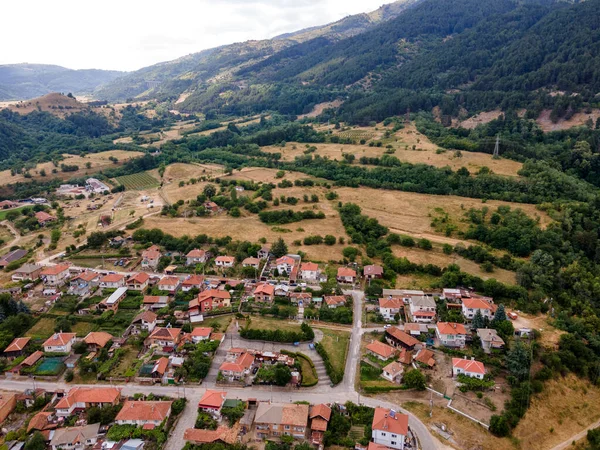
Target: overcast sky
x=130, y=34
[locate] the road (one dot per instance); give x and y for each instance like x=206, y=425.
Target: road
x=576, y=437
x=15, y=233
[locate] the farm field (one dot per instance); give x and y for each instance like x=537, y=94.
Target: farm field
x=98, y=161
x=138, y=181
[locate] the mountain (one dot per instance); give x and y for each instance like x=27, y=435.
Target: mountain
x=25, y=81
x=170, y=79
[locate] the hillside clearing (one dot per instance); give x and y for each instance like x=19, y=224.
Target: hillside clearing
x=138, y=181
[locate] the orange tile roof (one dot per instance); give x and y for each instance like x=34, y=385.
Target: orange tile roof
x=194, y=280
x=33, y=358
x=451, y=328
x=243, y=362
x=139, y=278
x=196, y=253
x=169, y=281
x=163, y=333
x=17, y=344
x=251, y=261
x=309, y=267
x=373, y=270
x=153, y=299
x=86, y=276
x=285, y=260
x=112, y=278
x=321, y=410
x=99, y=338
x=476, y=303
x=147, y=316
x=217, y=336
x=264, y=288
x=225, y=259
x=161, y=365
x=425, y=356
x=43, y=216
x=144, y=410
x=335, y=299
x=393, y=368
x=213, y=293
x=394, y=303
x=374, y=446
x=212, y=399
x=89, y=395
x=59, y=339
x=405, y=357
x=383, y=421
x=381, y=349
x=403, y=337
x=40, y=421
x=346, y=272
x=294, y=414
x=469, y=365
x=223, y=433
x=201, y=331
x=318, y=424
x=55, y=270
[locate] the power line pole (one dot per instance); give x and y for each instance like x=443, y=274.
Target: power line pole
x=497, y=148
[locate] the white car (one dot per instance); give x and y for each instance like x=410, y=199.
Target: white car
x=385, y=327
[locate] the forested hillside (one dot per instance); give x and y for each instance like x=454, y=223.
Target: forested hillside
x=25, y=81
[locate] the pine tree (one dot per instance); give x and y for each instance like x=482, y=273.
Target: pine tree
x=477, y=321
x=500, y=315
x=279, y=248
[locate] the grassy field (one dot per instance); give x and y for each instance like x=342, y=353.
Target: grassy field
x=220, y=322
x=4, y=212
x=82, y=328
x=268, y=323
x=127, y=362
x=309, y=375
x=138, y=181
x=336, y=343
x=43, y=329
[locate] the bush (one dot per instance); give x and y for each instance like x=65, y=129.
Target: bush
x=499, y=426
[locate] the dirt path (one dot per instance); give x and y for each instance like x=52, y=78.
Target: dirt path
x=14, y=232
x=575, y=437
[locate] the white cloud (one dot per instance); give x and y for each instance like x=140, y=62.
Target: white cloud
x=130, y=34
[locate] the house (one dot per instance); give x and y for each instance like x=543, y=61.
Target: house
x=75, y=438
x=237, y=365
x=112, y=302
x=16, y=348
x=281, y=419
x=393, y=372
x=8, y=402
x=264, y=252
x=80, y=398
x=84, y=282
x=200, y=334
x=160, y=369
x=32, y=359
x=389, y=428
x=425, y=358
x=191, y=282
x=309, y=271
x=470, y=306
x=116, y=241
x=144, y=322
x=209, y=300
x=96, y=186
x=319, y=416
x=29, y=272
x=372, y=271
x=112, y=281
x=224, y=261
x=346, y=275
x=451, y=334
x=335, y=301
x=44, y=218
x=381, y=350
x=222, y=435
x=169, y=284
x=398, y=338
x=155, y=302
x=211, y=206
x=300, y=297
x=490, y=339
x=143, y=413
x=196, y=256
x=285, y=264
x=416, y=329
x=389, y=307
x=41, y=421
x=422, y=308
x=166, y=338
x=96, y=340
x=7, y=204
x=12, y=256
x=251, y=262
x=59, y=343
x=264, y=293
x=212, y=402
x=55, y=275
x=405, y=357
x=468, y=367
x=454, y=295
x=138, y=282
x=151, y=257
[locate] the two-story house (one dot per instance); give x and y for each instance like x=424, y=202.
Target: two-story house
x=346, y=275
x=224, y=261
x=112, y=281
x=281, y=419
x=470, y=306
x=309, y=271
x=389, y=307
x=55, y=275
x=84, y=283
x=165, y=338
x=389, y=428
x=75, y=438
x=192, y=282
x=264, y=293
x=237, y=365
x=151, y=257
x=196, y=256
x=372, y=271
x=285, y=264
x=209, y=300
x=144, y=322
x=399, y=339
x=422, y=308
x=212, y=402
x=138, y=282
x=169, y=284
x=450, y=334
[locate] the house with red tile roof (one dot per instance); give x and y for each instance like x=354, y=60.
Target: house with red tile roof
x=191, y=282
x=398, y=338
x=285, y=264
x=319, y=416
x=389, y=307
x=224, y=261
x=272, y=418
x=16, y=348
x=381, y=350
x=212, y=402
x=112, y=281
x=196, y=256
x=209, y=300
x=389, y=428
x=346, y=275
x=44, y=218
x=151, y=257
x=165, y=338
x=309, y=271
x=425, y=358
x=238, y=368
x=55, y=275
x=169, y=284
x=470, y=306
x=222, y=434
x=468, y=367
x=335, y=301
x=138, y=282
x=142, y=413
x=422, y=308
x=393, y=372
x=41, y=421
x=81, y=398
x=144, y=321
x=251, y=262
x=96, y=340
x=264, y=292
x=199, y=334
x=451, y=334
x=59, y=343
x=372, y=271
x=155, y=302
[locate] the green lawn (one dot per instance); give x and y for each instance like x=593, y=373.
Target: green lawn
x=82, y=328
x=127, y=363
x=269, y=323
x=43, y=329
x=336, y=343
x=220, y=322
x=309, y=375
x=4, y=212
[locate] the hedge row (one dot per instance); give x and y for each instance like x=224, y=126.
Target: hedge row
x=335, y=376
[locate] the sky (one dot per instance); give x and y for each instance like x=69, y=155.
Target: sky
x=131, y=34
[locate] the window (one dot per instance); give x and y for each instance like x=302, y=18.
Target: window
x=393, y=442
x=275, y=427
x=287, y=427
x=383, y=434
x=393, y=435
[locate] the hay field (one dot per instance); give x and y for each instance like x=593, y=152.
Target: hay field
x=98, y=161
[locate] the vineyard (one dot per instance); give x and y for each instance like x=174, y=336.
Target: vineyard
x=357, y=135
x=138, y=181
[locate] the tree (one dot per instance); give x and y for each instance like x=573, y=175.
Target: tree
x=499, y=426
x=283, y=375
x=414, y=379
x=500, y=315
x=36, y=442
x=518, y=361
x=279, y=248
x=477, y=321
x=209, y=190
x=350, y=252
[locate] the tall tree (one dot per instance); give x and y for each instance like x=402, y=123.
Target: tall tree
x=500, y=315
x=477, y=321
x=279, y=248
x=210, y=190
x=518, y=361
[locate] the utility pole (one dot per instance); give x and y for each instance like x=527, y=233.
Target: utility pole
x=497, y=148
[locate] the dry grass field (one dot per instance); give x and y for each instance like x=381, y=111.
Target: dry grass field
x=98, y=162
x=54, y=103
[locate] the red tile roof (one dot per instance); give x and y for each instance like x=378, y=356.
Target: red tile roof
x=153, y=299
x=89, y=395
x=265, y=289
x=99, y=338
x=169, y=281
x=468, y=365
x=346, y=272
x=194, y=280
x=373, y=270
x=55, y=270
x=43, y=216
x=251, y=261
x=201, y=332
x=144, y=410
x=59, y=339
x=225, y=259
x=112, y=278
x=335, y=300
x=212, y=399
x=383, y=421
x=309, y=267
x=17, y=345
x=161, y=365
x=381, y=349
x=86, y=276
x=451, y=328
x=33, y=358
x=393, y=303
x=476, y=303
x=318, y=425
x=403, y=337
x=223, y=433
x=321, y=410
x=147, y=316
x=138, y=278
x=165, y=334
x=196, y=253
x=425, y=356
x=243, y=362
